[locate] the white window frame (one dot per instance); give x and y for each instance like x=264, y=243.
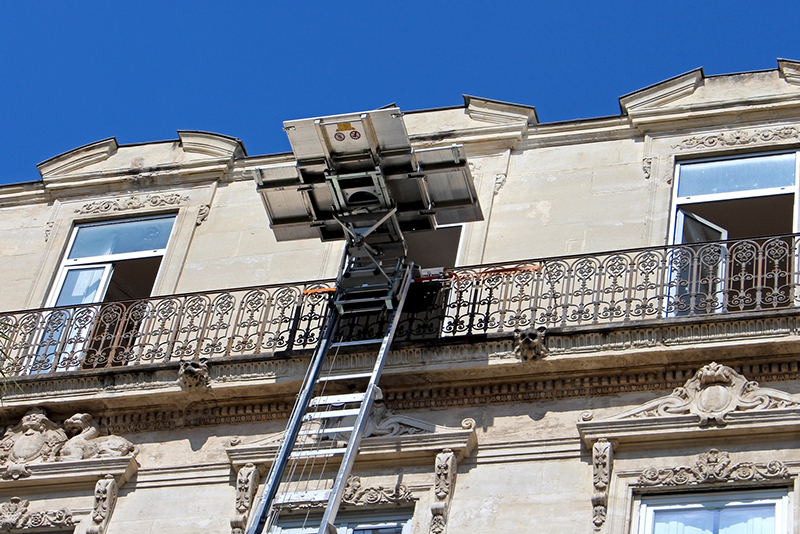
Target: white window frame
x=103, y=260
x=648, y=505
x=350, y=523
x=680, y=201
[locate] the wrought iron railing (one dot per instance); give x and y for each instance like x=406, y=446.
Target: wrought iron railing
x=605, y=288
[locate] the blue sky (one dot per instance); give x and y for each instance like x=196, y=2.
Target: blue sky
x=77, y=72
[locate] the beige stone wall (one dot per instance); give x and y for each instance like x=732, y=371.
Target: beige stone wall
x=234, y=247
x=23, y=239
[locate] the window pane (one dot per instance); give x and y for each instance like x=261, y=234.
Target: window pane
x=695, y=521
x=753, y=519
x=121, y=237
x=736, y=175
x=80, y=286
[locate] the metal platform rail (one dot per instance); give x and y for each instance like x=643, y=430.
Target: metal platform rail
x=605, y=288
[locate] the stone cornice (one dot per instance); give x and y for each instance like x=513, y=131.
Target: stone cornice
x=581, y=361
x=577, y=132
x=23, y=194
x=702, y=115
x=408, y=449
x=86, y=472
x=716, y=402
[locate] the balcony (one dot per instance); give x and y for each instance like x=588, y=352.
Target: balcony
x=675, y=283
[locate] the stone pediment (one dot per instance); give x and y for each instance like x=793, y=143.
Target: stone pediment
x=497, y=112
x=716, y=398
x=38, y=452
x=694, y=99
x=389, y=436
x=663, y=93
x=106, y=158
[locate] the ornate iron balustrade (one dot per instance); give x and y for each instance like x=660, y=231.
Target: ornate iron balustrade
x=614, y=287
x=217, y=324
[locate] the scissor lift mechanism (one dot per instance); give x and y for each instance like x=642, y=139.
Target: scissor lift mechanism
x=357, y=179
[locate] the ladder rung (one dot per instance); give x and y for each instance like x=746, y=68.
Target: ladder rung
x=332, y=430
x=317, y=453
x=356, y=343
x=337, y=399
x=329, y=414
x=353, y=376
x=303, y=496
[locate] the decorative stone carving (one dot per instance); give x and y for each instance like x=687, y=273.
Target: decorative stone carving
x=443, y=485
x=712, y=466
x=384, y=422
x=499, y=182
x=193, y=374
x=647, y=167
x=15, y=515
x=529, y=344
x=739, y=137
x=105, y=498
x=356, y=495
x=86, y=441
x=247, y=481
x=711, y=394
x=132, y=203
x=602, y=457
x=202, y=214
x=35, y=438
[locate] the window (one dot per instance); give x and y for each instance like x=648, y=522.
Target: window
x=105, y=261
x=735, y=198
x=742, y=198
x=348, y=524
x=764, y=512
x=113, y=260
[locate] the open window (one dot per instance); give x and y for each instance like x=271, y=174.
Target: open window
x=754, y=512
x=106, y=261
x=745, y=199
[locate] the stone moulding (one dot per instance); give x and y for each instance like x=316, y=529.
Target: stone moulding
x=105, y=499
x=247, y=480
x=713, y=466
x=132, y=202
x=357, y=495
x=48, y=475
x=400, y=448
x=602, y=460
x=739, y=138
x=14, y=515
x=716, y=398
x=443, y=486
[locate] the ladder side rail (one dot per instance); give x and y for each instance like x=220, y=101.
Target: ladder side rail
x=293, y=427
x=337, y=491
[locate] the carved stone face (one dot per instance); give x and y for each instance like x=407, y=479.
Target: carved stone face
x=33, y=421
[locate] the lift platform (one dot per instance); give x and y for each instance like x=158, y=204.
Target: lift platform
x=357, y=179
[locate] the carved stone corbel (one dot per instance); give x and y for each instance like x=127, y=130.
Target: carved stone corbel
x=105, y=498
x=193, y=375
x=247, y=481
x=529, y=344
x=443, y=486
x=202, y=214
x=602, y=458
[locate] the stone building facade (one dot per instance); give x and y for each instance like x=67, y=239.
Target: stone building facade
x=613, y=348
